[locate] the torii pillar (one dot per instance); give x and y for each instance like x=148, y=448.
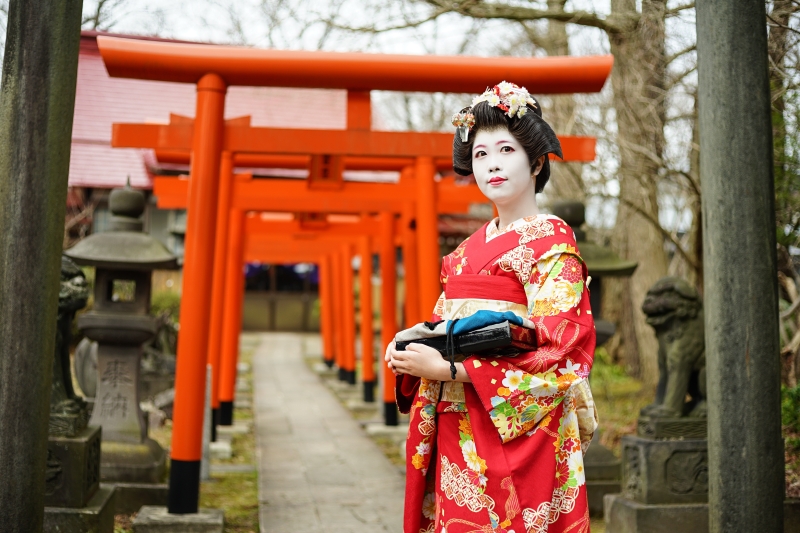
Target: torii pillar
x=187, y=442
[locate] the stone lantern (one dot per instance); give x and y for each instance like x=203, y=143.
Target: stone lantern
x=124, y=258
x=602, y=263
x=603, y=469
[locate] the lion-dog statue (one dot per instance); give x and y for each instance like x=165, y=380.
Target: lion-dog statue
x=68, y=411
x=675, y=310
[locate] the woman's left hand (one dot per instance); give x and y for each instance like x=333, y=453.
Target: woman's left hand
x=419, y=360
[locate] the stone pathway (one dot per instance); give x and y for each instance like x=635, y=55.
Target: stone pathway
x=317, y=469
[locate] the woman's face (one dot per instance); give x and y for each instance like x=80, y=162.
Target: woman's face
x=501, y=167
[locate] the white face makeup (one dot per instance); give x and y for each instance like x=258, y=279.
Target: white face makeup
x=502, y=168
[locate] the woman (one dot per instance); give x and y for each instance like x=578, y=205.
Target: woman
x=500, y=447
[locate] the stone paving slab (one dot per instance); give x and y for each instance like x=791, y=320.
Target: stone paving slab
x=318, y=470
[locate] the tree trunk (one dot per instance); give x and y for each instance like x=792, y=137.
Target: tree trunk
x=565, y=178
x=639, y=103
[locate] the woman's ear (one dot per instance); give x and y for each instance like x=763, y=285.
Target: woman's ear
x=538, y=167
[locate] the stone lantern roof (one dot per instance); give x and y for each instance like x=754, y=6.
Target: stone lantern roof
x=600, y=260
x=124, y=246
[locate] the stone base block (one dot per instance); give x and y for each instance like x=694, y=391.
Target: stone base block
x=665, y=471
x=132, y=463
x=623, y=515
x=96, y=517
x=151, y=519
x=672, y=428
x=596, y=491
x=73, y=468
x=627, y=516
x=378, y=429
x=237, y=428
x=220, y=449
x=130, y=497
x=360, y=406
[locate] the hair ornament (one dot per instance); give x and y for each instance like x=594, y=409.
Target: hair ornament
x=509, y=97
x=464, y=122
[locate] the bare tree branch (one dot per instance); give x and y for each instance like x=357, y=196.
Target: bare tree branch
x=657, y=225
x=477, y=9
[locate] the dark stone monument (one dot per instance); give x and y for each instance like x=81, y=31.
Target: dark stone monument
x=665, y=466
x=602, y=466
x=746, y=461
x=37, y=100
x=74, y=501
x=123, y=258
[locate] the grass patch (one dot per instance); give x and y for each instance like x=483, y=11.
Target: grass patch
x=237, y=494
x=618, y=398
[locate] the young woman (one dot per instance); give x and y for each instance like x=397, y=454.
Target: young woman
x=500, y=448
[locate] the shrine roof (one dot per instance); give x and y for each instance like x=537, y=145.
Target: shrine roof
x=101, y=100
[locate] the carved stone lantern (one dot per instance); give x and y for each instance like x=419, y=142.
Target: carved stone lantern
x=601, y=261
x=124, y=258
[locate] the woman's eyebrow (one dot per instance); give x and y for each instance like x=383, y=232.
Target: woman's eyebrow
x=478, y=146
x=502, y=141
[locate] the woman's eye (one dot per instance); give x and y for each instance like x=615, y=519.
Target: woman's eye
x=479, y=153
x=506, y=149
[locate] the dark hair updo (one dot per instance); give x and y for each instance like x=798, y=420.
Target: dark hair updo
x=531, y=131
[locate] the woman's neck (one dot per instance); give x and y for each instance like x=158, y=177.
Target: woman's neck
x=508, y=213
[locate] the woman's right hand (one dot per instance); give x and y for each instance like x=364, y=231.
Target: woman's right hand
x=388, y=356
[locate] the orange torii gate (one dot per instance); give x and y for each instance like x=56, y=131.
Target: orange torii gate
x=172, y=193
x=213, y=69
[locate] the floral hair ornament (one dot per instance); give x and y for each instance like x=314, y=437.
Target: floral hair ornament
x=509, y=97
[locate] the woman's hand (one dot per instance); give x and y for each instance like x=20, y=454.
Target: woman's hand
x=418, y=360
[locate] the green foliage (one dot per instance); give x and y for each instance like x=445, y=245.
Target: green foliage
x=167, y=302
x=790, y=408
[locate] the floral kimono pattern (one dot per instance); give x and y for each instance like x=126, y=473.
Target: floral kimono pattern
x=504, y=454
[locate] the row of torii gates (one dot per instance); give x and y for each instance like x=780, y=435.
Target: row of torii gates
x=226, y=224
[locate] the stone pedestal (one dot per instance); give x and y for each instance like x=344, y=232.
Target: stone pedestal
x=130, y=497
x=151, y=519
x=128, y=455
x=603, y=471
x=664, y=483
x=130, y=462
x=73, y=468
x=97, y=516
x=624, y=515
x=665, y=471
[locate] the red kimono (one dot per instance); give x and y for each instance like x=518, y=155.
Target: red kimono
x=504, y=454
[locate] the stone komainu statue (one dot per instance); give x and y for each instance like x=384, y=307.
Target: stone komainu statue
x=675, y=310
x=68, y=413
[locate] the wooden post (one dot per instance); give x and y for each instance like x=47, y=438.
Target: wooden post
x=36, y=104
x=745, y=448
x=413, y=312
x=218, y=286
x=388, y=256
x=348, y=316
x=326, y=310
x=232, y=316
x=338, y=310
x=427, y=233
x=367, y=333
x=190, y=371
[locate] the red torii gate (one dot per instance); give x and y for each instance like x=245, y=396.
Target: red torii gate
x=213, y=69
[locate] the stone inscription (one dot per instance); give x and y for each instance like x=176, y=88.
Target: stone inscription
x=116, y=374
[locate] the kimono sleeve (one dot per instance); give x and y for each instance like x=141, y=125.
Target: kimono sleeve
x=520, y=392
x=406, y=386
